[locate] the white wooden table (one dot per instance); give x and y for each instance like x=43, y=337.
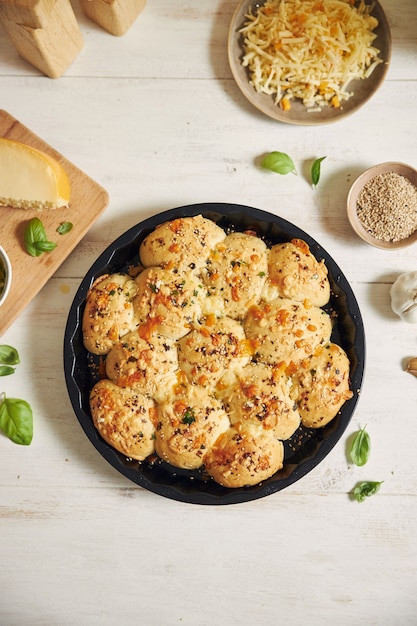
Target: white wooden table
x=156, y=118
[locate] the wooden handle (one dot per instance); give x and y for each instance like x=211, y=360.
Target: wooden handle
x=115, y=16
x=33, y=13
x=51, y=47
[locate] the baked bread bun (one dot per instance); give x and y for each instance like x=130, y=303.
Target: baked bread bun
x=215, y=353
x=109, y=313
x=169, y=302
x=236, y=271
x=295, y=273
x=183, y=244
x=146, y=364
x=321, y=386
x=188, y=425
x=244, y=455
x=286, y=330
x=123, y=418
x=212, y=349
x=262, y=397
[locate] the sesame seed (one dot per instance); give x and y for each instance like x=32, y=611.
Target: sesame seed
x=387, y=207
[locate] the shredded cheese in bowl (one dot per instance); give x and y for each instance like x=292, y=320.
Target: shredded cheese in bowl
x=309, y=50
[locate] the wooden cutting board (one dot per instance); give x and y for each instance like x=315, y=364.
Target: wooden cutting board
x=88, y=201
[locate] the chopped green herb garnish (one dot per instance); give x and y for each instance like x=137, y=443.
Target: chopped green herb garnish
x=189, y=416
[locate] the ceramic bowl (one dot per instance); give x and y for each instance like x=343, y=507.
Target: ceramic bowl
x=383, y=168
x=7, y=268
x=362, y=90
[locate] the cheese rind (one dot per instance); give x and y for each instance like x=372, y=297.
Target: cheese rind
x=30, y=178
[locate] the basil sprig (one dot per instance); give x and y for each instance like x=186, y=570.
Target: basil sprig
x=16, y=418
x=361, y=448
x=278, y=162
x=316, y=170
x=366, y=489
x=9, y=357
x=36, y=240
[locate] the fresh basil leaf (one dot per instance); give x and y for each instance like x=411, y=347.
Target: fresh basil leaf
x=278, y=162
x=35, y=230
x=44, y=246
x=366, y=489
x=361, y=448
x=6, y=370
x=64, y=228
x=35, y=238
x=315, y=171
x=9, y=355
x=16, y=420
x=30, y=248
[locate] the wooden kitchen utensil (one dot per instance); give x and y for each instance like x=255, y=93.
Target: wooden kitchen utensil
x=115, y=16
x=44, y=32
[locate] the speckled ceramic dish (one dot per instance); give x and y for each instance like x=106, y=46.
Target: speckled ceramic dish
x=363, y=90
x=303, y=451
x=5, y=275
x=399, y=168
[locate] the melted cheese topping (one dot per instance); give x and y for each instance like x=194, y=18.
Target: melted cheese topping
x=309, y=49
x=208, y=362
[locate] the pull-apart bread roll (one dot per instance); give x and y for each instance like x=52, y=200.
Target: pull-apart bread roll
x=215, y=353
x=244, y=455
x=295, y=273
x=182, y=244
x=188, y=425
x=321, y=386
x=286, y=330
x=236, y=271
x=212, y=349
x=262, y=397
x=109, y=312
x=169, y=302
x=146, y=364
x=123, y=418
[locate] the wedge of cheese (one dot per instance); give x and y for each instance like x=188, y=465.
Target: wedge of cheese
x=30, y=178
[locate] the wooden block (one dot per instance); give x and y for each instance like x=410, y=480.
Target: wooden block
x=33, y=13
x=115, y=16
x=51, y=48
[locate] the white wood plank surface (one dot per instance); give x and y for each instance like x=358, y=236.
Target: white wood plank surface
x=156, y=118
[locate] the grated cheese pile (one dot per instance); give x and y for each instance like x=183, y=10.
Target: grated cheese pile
x=309, y=49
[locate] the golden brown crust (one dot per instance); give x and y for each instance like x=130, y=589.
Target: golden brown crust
x=109, y=312
x=169, y=302
x=244, y=456
x=237, y=271
x=286, y=330
x=146, y=364
x=183, y=243
x=296, y=274
x=188, y=425
x=212, y=349
x=262, y=397
x=321, y=386
x=124, y=419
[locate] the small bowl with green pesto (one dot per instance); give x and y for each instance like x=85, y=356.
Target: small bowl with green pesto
x=382, y=205
x=5, y=275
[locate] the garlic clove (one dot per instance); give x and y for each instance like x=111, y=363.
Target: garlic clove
x=412, y=366
x=404, y=297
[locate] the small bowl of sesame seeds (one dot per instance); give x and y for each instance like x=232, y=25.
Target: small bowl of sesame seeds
x=382, y=205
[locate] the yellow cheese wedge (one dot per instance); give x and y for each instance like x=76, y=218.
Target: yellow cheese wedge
x=30, y=178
